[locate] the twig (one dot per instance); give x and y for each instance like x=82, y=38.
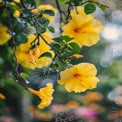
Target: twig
x=69, y=10
x=20, y=80
x=35, y=39
x=39, y=35
x=23, y=5
x=60, y=11
x=81, y=3
x=56, y=53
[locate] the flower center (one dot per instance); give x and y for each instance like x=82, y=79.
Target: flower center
x=78, y=76
x=77, y=30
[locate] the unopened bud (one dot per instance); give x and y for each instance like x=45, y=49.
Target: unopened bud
x=36, y=51
x=34, y=11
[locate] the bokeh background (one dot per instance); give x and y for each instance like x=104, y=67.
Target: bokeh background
x=103, y=104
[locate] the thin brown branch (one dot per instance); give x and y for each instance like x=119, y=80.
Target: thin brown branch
x=56, y=53
x=20, y=80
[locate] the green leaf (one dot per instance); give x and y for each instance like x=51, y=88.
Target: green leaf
x=103, y=8
x=67, y=38
x=26, y=13
x=75, y=47
x=32, y=46
x=42, y=30
x=58, y=40
x=24, y=75
x=46, y=54
x=51, y=29
x=21, y=38
x=56, y=45
x=89, y=8
x=76, y=2
x=62, y=0
x=43, y=22
x=49, y=12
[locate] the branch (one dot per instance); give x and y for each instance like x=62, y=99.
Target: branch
x=56, y=53
x=58, y=6
x=69, y=10
x=20, y=80
x=23, y=5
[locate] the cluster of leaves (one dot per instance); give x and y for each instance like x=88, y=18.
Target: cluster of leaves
x=28, y=22
x=90, y=5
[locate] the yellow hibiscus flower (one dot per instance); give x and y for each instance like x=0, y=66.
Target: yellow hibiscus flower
x=45, y=94
x=29, y=58
x=4, y=36
x=1, y=1
x=83, y=28
x=79, y=78
x=47, y=7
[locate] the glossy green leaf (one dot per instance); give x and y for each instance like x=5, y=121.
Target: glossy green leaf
x=21, y=38
x=49, y=12
x=75, y=47
x=46, y=54
x=67, y=38
x=58, y=39
x=24, y=75
x=51, y=29
x=56, y=45
x=89, y=8
x=43, y=22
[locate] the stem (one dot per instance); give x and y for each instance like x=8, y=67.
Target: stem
x=69, y=10
x=21, y=81
x=14, y=40
x=85, y=2
x=35, y=39
x=56, y=53
x=23, y=5
x=58, y=6
x=39, y=35
x=82, y=3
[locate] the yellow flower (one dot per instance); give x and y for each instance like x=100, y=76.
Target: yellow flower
x=29, y=58
x=4, y=36
x=83, y=28
x=2, y=96
x=45, y=94
x=79, y=78
x=16, y=13
x=48, y=7
x=1, y=1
